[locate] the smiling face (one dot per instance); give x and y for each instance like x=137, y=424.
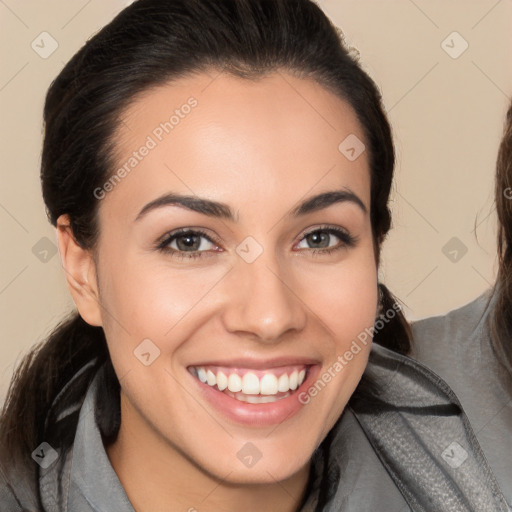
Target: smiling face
x=238, y=250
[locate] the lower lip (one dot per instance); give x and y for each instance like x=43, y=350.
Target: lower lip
x=257, y=414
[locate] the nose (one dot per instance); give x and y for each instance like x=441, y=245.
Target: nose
x=262, y=302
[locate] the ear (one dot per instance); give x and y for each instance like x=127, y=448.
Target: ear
x=80, y=270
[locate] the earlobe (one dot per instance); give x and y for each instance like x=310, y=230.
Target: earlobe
x=80, y=271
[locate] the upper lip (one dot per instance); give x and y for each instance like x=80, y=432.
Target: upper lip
x=255, y=364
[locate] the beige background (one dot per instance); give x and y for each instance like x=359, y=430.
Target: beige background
x=446, y=113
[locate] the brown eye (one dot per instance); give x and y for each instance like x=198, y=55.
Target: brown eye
x=187, y=243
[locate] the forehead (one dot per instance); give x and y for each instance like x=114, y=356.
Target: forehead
x=238, y=140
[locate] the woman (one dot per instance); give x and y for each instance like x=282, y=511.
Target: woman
x=218, y=174
x=472, y=344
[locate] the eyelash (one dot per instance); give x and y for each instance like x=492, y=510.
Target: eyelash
x=170, y=237
x=347, y=241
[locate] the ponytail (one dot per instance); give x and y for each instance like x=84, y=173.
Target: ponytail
x=39, y=382
x=393, y=332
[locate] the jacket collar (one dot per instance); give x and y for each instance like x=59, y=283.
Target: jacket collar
x=402, y=440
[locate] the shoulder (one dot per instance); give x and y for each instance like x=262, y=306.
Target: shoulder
x=450, y=331
x=29, y=480
x=411, y=418
x=16, y=493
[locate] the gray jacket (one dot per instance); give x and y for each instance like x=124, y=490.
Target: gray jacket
x=402, y=444
x=457, y=346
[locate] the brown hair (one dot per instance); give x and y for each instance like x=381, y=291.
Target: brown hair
x=501, y=316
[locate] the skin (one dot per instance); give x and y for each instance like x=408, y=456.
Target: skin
x=260, y=147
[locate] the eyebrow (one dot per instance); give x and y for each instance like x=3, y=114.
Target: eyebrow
x=223, y=211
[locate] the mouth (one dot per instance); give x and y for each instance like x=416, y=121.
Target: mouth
x=253, y=386
x=254, y=397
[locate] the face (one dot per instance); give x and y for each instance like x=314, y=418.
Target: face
x=236, y=267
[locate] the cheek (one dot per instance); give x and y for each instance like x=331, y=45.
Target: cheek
x=346, y=302
x=153, y=300
x=349, y=314
x=344, y=296
x=150, y=296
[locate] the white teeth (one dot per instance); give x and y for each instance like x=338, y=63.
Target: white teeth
x=210, y=378
x=294, y=380
x=252, y=399
x=268, y=384
x=222, y=381
x=256, y=399
x=201, y=374
x=250, y=384
x=234, y=383
x=283, y=383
